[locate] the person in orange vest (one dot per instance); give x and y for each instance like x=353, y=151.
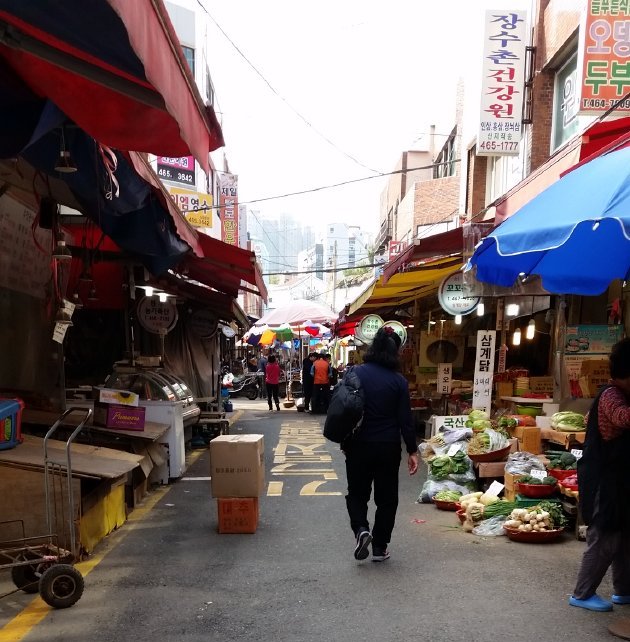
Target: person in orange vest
x=321, y=383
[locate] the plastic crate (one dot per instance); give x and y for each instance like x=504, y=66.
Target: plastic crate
x=526, y=502
x=10, y=423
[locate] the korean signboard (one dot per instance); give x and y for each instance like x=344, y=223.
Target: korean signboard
x=177, y=170
x=157, y=316
x=454, y=296
x=399, y=329
x=604, y=53
x=196, y=206
x=368, y=327
x=228, y=208
x=502, y=85
x=484, y=369
x=444, y=378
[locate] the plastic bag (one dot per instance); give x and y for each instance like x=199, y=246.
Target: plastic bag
x=431, y=486
x=522, y=463
x=492, y=527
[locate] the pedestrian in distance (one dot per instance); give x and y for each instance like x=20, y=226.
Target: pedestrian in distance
x=307, y=380
x=272, y=381
x=261, y=366
x=373, y=453
x=604, y=488
x=321, y=383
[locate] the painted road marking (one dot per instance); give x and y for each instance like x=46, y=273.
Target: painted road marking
x=274, y=489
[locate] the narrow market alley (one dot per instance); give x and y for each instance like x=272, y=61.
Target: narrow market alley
x=168, y=575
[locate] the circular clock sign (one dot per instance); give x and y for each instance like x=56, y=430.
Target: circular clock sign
x=204, y=323
x=454, y=296
x=368, y=327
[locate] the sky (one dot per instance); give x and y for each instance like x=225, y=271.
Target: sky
x=333, y=92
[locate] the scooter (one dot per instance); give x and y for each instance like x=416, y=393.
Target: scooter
x=246, y=385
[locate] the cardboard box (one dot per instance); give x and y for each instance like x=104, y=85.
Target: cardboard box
x=503, y=389
x=541, y=384
x=237, y=465
x=529, y=439
x=491, y=469
x=564, y=439
x=118, y=397
x=509, y=480
x=119, y=417
x=237, y=514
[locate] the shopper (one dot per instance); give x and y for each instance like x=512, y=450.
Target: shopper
x=272, y=380
x=261, y=366
x=321, y=384
x=307, y=380
x=373, y=454
x=604, y=487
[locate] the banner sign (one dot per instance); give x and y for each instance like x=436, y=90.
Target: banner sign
x=196, y=206
x=228, y=208
x=503, y=81
x=603, y=56
x=484, y=369
x=177, y=170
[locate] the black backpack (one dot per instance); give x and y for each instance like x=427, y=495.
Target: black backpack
x=345, y=410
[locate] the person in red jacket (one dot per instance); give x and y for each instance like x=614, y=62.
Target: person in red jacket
x=272, y=380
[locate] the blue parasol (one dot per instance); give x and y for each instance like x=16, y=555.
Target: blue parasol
x=575, y=235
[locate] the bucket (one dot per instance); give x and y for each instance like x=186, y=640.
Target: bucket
x=10, y=423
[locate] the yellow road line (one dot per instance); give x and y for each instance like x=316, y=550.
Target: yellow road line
x=32, y=614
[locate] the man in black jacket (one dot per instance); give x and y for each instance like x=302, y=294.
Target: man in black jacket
x=307, y=380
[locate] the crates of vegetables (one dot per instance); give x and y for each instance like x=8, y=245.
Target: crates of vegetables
x=561, y=463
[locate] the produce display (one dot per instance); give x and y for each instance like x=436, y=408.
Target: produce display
x=545, y=481
x=486, y=441
x=478, y=420
x=512, y=421
x=442, y=466
x=546, y=516
x=567, y=421
x=447, y=496
x=561, y=460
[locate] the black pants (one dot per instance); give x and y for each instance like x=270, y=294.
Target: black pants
x=272, y=391
x=375, y=463
x=321, y=393
x=308, y=393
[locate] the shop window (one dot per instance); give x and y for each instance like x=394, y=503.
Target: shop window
x=189, y=54
x=566, y=102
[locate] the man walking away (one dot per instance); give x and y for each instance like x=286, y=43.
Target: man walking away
x=321, y=384
x=262, y=365
x=307, y=380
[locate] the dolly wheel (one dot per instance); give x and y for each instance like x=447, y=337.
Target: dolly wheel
x=252, y=393
x=26, y=578
x=61, y=586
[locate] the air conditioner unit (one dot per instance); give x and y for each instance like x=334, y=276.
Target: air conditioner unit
x=435, y=349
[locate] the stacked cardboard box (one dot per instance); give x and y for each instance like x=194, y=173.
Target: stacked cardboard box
x=237, y=470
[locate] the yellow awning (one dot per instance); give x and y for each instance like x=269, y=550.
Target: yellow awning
x=405, y=287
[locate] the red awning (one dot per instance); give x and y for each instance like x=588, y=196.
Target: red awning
x=601, y=134
x=134, y=93
x=224, y=267
x=443, y=244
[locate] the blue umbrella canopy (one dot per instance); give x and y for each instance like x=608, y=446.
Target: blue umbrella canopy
x=575, y=235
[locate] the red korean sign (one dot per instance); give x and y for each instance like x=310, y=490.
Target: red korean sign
x=605, y=56
x=177, y=170
x=228, y=208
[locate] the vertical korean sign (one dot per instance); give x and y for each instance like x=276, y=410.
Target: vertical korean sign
x=604, y=56
x=484, y=369
x=502, y=84
x=444, y=378
x=228, y=207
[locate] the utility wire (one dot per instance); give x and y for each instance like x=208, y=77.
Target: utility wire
x=283, y=99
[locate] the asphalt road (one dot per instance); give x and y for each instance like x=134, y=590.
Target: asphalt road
x=169, y=575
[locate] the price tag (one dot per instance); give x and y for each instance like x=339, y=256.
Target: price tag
x=576, y=453
x=538, y=474
x=495, y=488
x=453, y=450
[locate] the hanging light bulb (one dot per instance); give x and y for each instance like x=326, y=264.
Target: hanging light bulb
x=481, y=309
x=65, y=164
x=516, y=337
x=62, y=252
x=76, y=300
x=531, y=329
x=512, y=309
x=148, y=290
x=458, y=319
x=163, y=297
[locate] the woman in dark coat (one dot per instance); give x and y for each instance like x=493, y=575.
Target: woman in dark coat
x=604, y=487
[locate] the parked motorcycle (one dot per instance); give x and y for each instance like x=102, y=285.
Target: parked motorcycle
x=246, y=384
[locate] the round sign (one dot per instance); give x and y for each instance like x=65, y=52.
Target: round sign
x=204, y=323
x=368, y=327
x=454, y=296
x=228, y=331
x=399, y=329
x=155, y=316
